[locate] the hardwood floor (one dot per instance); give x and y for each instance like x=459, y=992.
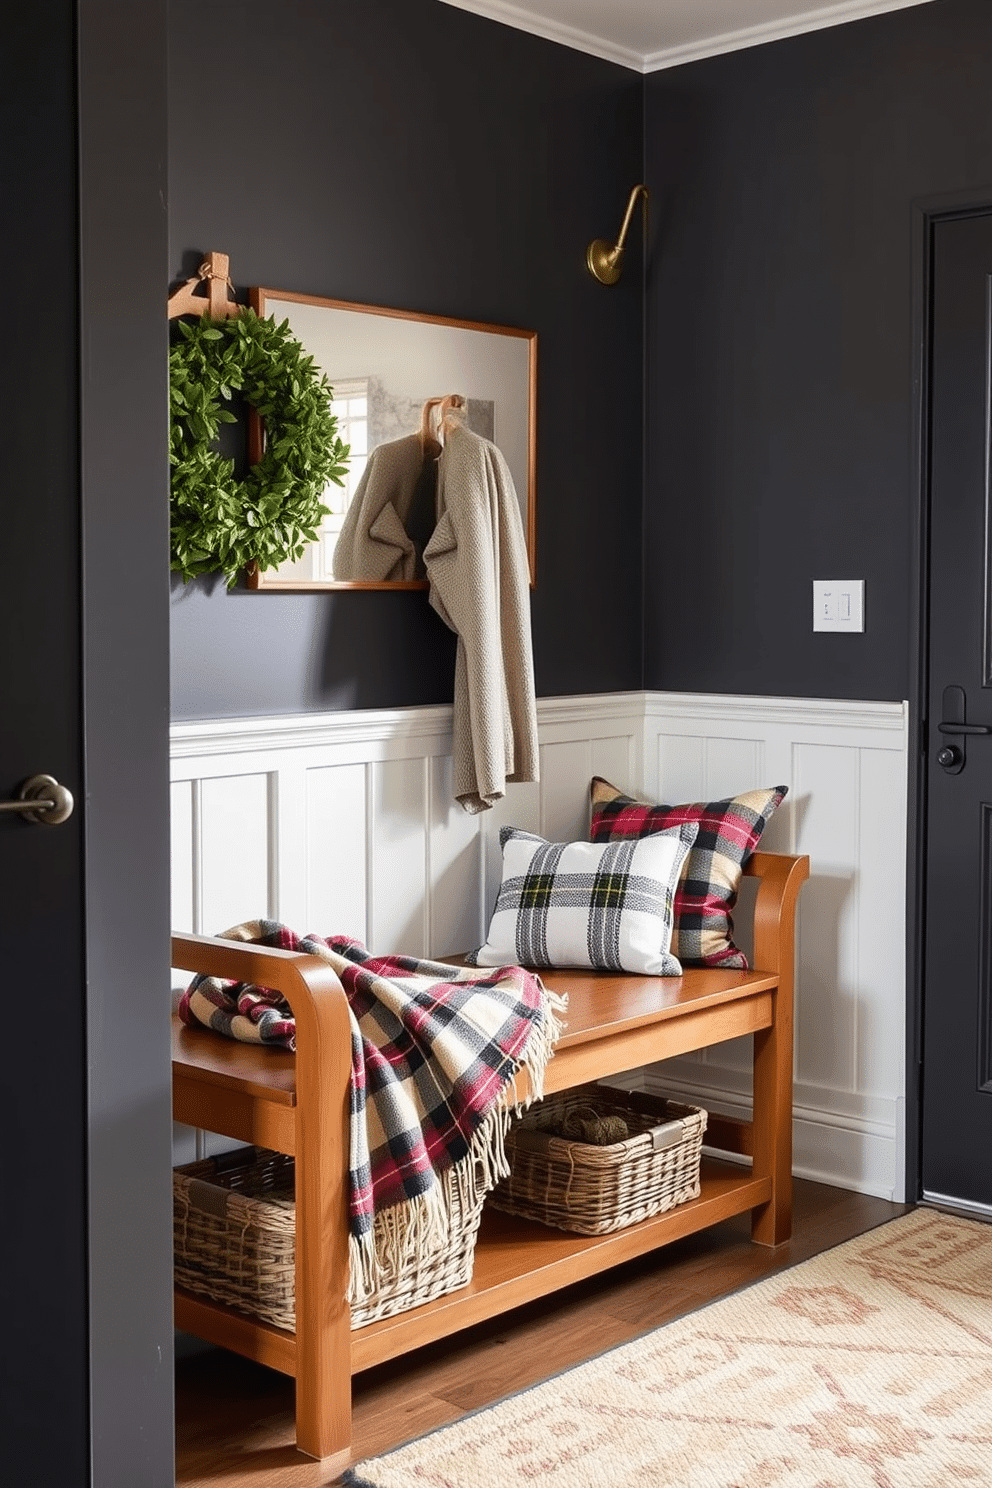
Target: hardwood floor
x=235, y=1419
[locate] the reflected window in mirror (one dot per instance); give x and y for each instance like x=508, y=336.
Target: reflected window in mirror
x=350, y=407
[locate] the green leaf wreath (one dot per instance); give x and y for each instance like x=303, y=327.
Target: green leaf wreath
x=221, y=524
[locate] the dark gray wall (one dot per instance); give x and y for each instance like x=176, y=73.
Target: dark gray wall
x=778, y=397
x=779, y=406
x=407, y=153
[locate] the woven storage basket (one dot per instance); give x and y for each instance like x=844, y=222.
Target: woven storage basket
x=577, y=1185
x=234, y=1229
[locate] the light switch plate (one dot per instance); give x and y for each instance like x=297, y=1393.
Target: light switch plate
x=839, y=604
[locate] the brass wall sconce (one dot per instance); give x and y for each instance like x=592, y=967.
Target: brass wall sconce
x=605, y=262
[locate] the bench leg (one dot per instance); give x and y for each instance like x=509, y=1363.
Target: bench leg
x=323, y=1389
x=323, y=1317
x=771, y=1224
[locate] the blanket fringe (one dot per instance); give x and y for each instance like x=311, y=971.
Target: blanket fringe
x=541, y=1044
x=407, y=1235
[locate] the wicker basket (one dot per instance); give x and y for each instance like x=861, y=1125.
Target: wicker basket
x=234, y=1228
x=576, y=1185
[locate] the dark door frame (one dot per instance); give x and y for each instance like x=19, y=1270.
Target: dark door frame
x=123, y=278
x=927, y=212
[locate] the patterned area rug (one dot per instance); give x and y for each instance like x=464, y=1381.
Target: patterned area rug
x=869, y=1366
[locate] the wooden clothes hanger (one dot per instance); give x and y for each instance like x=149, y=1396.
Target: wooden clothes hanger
x=438, y=416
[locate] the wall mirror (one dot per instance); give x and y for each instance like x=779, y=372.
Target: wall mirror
x=383, y=366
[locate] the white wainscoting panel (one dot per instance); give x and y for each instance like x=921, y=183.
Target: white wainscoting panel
x=332, y=809
x=344, y=823
x=845, y=764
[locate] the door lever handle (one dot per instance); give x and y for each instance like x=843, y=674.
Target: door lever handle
x=954, y=708
x=41, y=800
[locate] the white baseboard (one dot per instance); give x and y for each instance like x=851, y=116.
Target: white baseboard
x=845, y=1149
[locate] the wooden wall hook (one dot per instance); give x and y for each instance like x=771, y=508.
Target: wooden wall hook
x=216, y=302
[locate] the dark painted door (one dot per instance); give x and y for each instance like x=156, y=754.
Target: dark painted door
x=45, y=1410
x=957, y=1027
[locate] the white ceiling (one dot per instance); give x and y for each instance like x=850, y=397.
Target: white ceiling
x=651, y=34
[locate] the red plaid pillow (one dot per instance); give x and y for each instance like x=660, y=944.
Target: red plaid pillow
x=729, y=832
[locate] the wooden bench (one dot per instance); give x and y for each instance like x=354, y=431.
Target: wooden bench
x=299, y=1105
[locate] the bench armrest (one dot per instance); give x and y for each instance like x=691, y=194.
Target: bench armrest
x=309, y=985
x=781, y=877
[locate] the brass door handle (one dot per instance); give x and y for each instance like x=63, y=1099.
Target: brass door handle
x=41, y=800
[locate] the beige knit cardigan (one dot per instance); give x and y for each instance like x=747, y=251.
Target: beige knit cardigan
x=477, y=568
x=479, y=577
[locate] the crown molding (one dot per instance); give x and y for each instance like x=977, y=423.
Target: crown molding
x=730, y=41
x=536, y=25
x=749, y=36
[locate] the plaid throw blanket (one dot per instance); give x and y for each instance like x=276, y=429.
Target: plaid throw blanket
x=434, y=1049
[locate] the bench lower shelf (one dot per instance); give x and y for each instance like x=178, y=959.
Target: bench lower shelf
x=516, y=1261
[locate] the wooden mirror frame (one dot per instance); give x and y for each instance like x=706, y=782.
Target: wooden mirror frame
x=261, y=299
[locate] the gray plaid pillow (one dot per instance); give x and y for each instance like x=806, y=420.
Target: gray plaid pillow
x=608, y=906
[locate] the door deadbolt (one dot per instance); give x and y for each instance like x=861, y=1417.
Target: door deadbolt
x=952, y=757
x=41, y=800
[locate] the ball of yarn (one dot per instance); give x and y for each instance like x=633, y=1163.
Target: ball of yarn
x=599, y=1131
